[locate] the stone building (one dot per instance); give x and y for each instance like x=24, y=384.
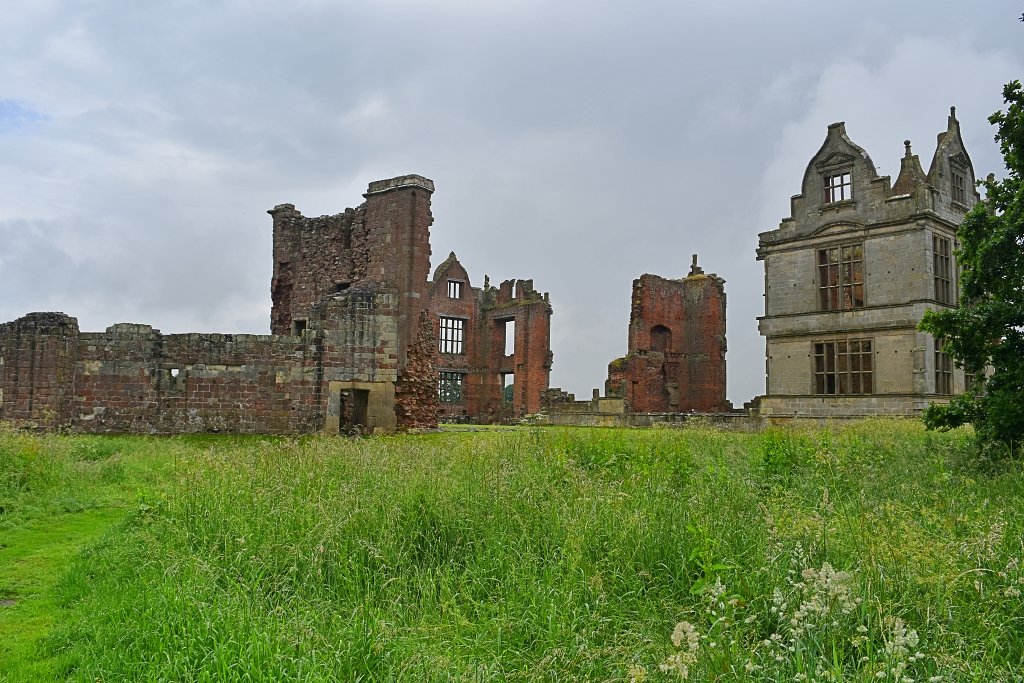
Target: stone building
x=676, y=349
x=357, y=340
x=850, y=273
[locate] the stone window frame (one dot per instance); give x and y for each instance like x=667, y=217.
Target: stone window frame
x=837, y=184
x=838, y=287
x=450, y=385
x=943, y=370
x=843, y=366
x=455, y=289
x=958, y=175
x=943, y=281
x=451, y=338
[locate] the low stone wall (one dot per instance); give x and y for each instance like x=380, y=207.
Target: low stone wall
x=739, y=421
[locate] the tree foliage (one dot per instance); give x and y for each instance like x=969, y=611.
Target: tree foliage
x=985, y=335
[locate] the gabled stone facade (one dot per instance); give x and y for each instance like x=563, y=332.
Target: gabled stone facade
x=850, y=273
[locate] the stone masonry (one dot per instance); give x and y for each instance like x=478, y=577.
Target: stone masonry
x=850, y=273
x=676, y=354
x=353, y=345
x=501, y=369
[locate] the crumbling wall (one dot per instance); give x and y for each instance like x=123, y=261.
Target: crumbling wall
x=676, y=357
x=532, y=358
x=132, y=378
x=483, y=363
x=37, y=361
x=416, y=401
x=467, y=364
x=313, y=258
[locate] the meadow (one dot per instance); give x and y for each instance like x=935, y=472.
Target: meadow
x=874, y=552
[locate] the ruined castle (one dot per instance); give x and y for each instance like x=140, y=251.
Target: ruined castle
x=365, y=338
x=362, y=339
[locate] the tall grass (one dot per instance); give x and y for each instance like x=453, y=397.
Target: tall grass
x=873, y=553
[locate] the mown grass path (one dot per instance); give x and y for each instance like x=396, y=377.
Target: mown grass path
x=33, y=558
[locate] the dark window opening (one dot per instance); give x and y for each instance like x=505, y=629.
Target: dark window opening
x=661, y=338
x=943, y=268
x=353, y=408
x=843, y=367
x=838, y=186
x=341, y=286
x=298, y=327
x=452, y=335
x=958, y=185
x=449, y=388
x=841, y=277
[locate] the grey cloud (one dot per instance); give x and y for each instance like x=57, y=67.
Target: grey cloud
x=580, y=144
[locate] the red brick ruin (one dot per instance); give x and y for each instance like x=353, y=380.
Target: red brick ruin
x=360, y=339
x=676, y=357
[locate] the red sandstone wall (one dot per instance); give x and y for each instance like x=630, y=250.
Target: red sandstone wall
x=37, y=361
x=131, y=378
x=467, y=307
x=484, y=361
x=688, y=373
x=312, y=258
x=416, y=401
x=532, y=358
x=385, y=241
x=398, y=221
x=228, y=383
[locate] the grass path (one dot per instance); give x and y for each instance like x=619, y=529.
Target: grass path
x=32, y=559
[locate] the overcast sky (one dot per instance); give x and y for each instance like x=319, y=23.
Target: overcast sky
x=580, y=144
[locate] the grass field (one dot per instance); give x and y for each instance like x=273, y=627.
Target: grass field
x=879, y=552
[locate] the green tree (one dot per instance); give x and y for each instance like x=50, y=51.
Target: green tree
x=985, y=335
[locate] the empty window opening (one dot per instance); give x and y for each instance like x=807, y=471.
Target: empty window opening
x=943, y=371
x=841, y=277
x=510, y=336
x=958, y=185
x=175, y=372
x=341, y=286
x=298, y=327
x=449, y=388
x=452, y=335
x=353, y=409
x=661, y=339
x=454, y=289
x=508, y=385
x=838, y=186
x=843, y=367
x=943, y=268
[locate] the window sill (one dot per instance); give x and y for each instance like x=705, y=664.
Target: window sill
x=836, y=206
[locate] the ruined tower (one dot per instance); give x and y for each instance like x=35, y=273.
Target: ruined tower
x=676, y=356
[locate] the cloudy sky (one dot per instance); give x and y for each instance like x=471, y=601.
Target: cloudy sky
x=580, y=144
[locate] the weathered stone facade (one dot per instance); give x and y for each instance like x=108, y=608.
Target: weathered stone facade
x=354, y=343
x=850, y=274
x=676, y=354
